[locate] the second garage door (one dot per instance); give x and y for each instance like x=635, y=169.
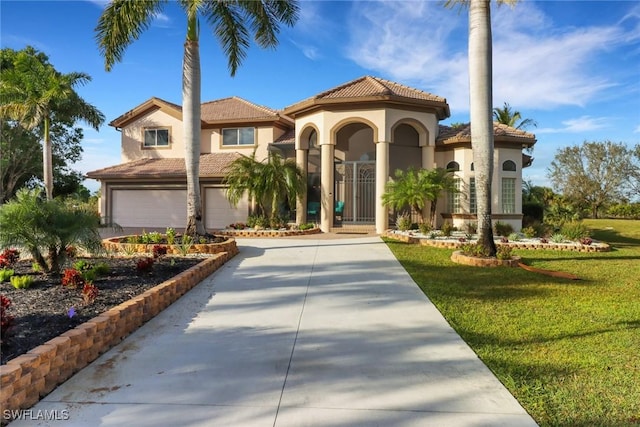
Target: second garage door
x=218, y=211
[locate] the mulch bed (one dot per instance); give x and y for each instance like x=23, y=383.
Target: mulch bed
x=42, y=311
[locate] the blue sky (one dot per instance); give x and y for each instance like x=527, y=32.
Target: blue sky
x=572, y=66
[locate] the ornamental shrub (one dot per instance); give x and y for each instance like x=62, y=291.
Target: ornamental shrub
x=9, y=257
x=72, y=278
x=21, y=282
x=46, y=228
x=144, y=264
x=5, y=274
x=502, y=228
x=6, y=320
x=403, y=222
x=574, y=230
x=89, y=293
x=447, y=229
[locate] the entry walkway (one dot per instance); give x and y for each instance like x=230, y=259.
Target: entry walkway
x=292, y=332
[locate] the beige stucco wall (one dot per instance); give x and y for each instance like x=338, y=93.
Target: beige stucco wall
x=210, y=140
x=132, y=137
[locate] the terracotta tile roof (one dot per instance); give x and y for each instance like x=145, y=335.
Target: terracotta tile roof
x=234, y=109
x=226, y=110
x=370, y=88
x=289, y=137
x=211, y=165
x=374, y=86
x=449, y=135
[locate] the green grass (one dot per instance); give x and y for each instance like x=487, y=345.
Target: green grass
x=569, y=351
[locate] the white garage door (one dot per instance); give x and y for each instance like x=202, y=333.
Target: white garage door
x=150, y=208
x=219, y=213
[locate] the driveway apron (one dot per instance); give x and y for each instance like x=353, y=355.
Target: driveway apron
x=291, y=332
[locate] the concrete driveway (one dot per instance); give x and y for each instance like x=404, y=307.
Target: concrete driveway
x=291, y=332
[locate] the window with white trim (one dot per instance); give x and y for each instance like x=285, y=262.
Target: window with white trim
x=156, y=137
x=238, y=136
x=473, y=198
x=508, y=195
x=453, y=199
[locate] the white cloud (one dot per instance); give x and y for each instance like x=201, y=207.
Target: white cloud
x=536, y=63
x=580, y=124
x=637, y=129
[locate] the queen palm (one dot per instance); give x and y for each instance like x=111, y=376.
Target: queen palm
x=480, y=96
x=123, y=21
x=269, y=183
x=34, y=94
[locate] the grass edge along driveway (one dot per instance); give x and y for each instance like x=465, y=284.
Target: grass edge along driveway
x=569, y=351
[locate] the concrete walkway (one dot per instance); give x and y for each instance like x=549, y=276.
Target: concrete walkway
x=291, y=332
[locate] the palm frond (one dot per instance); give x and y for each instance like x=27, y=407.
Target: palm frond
x=122, y=22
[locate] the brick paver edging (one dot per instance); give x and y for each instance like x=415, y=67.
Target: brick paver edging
x=31, y=376
x=601, y=247
x=249, y=232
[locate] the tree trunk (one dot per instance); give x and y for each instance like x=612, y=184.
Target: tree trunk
x=480, y=94
x=191, y=125
x=47, y=161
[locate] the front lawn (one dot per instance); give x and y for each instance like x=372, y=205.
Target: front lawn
x=569, y=351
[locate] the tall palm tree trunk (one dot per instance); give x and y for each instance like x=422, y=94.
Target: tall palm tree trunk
x=47, y=160
x=480, y=85
x=191, y=127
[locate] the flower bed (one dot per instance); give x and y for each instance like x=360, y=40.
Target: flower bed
x=25, y=379
x=252, y=232
x=456, y=242
x=460, y=258
x=121, y=244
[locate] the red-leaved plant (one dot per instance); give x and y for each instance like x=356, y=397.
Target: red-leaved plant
x=159, y=250
x=72, y=278
x=6, y=320
x=144, y=264
x=89, y=293
x=8, y=257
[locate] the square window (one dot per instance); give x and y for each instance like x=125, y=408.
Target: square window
x=156, y=138
x=239, y=136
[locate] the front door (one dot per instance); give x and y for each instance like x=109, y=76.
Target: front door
x=356, y=186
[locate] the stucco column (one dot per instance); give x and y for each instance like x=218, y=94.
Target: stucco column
x=301, y=203
x=382, y=175
x=326, y=191
x=428, y=157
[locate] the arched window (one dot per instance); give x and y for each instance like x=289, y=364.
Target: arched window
x=453, y=166
x=313, y=139
x=509, y=166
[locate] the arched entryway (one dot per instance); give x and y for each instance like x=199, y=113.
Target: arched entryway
x=355, y=173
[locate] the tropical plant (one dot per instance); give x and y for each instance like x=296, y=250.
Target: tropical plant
x=509, y=117
x=45, y=228
x=480, y=95
x=406, y=190
x=5, y=274
x=6, y=320
x=270, y=184
x=21, y=282
x=123, y=21
x=35, y=94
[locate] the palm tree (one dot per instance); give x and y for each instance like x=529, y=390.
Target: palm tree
x=35, y=94
x=507, y=116
x=480, y=95
x=413, y=189
x=437, y=181
x=270, y=183
x=123, y=21
x=406, y=190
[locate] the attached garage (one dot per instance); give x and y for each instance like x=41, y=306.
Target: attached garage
x=218, y=212
x=150, y=208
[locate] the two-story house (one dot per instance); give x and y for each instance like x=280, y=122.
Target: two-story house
x=348, y=140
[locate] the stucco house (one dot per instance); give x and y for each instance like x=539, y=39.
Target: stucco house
x=349, y=140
